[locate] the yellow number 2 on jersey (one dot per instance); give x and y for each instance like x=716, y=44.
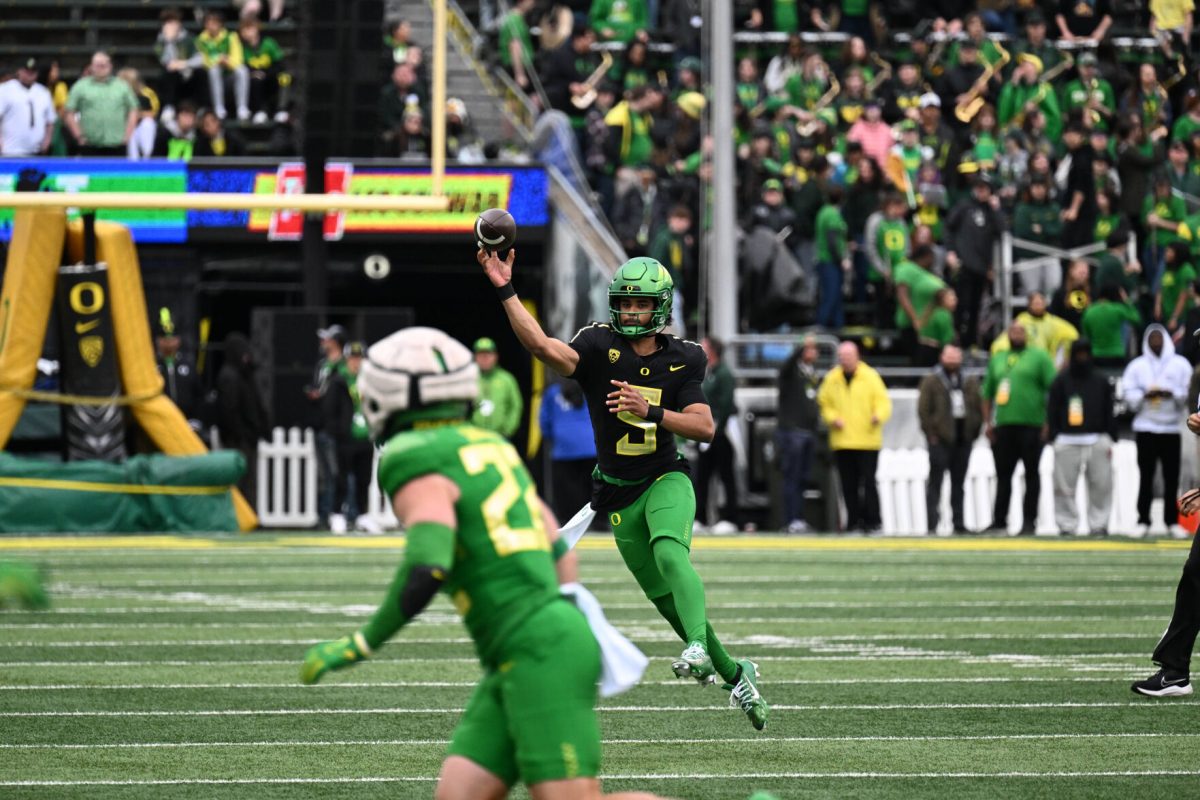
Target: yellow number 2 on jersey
x=498, y=505
x=649, y=430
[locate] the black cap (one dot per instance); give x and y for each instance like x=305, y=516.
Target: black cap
x=355, y=349
x=1035, y=17
x=30, y=64
x=335, y=332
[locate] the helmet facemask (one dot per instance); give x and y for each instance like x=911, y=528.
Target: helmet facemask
x=660, y=314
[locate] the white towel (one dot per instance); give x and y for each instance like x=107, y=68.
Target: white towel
x=574, y=530
x=621, y=663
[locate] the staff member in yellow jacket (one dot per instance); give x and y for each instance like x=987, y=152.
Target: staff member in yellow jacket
x=855, y=404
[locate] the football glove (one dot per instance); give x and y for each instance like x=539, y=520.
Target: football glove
x=326, y=656
x=1189, y=503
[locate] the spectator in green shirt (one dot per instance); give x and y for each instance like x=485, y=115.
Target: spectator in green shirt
x=1189, y=122
x=1104, y=324
x=618, y=20
x=1179, y=171
x=1113, y=269
x=1161, y=214
x=222, y=53
x=1015, y=388
x=101, y=110
x=1038, y=219
x=1090, y=94
x=269, y=82
x=916, y=286
x=937, y=330
x=516, y=46
x=833, y=259
x=499, y=405
x=1172, y=300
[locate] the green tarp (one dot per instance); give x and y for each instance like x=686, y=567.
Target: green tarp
x=154, y=493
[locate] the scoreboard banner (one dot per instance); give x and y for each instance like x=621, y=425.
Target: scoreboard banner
x=521, y=189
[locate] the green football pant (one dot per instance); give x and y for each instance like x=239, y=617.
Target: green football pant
x=654, y=536
x=533, y=717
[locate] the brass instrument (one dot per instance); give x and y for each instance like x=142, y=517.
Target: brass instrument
x=584, y=101
x=809, y=128
x=1067, y=61
x=1096, y=108
x=883, y=74
x=1044, y=81
x=965, y=112
x=933, y=62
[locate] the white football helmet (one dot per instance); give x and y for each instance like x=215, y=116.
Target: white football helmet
x=415, y=370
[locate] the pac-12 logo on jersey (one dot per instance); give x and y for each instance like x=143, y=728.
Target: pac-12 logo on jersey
x=613, y=355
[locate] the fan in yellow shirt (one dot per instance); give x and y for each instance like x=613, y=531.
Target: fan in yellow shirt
x=1042, y=330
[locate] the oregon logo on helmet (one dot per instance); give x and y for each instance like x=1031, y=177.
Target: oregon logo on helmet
x=641, y=277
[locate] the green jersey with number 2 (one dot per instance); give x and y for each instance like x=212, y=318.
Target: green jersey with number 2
x=503, y=570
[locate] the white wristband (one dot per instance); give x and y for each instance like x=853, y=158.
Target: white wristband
x=361, y=644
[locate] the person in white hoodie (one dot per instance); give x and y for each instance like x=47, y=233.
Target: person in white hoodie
x=1156, y=388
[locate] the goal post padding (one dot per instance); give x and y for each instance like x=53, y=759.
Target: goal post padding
x=30, y=275
x=158, y=416
x=143, y=494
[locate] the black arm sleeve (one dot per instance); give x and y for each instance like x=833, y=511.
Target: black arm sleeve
x=424, y=582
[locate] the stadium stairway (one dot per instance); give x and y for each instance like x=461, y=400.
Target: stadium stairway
x=465, y=73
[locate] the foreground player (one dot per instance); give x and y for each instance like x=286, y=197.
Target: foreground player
x=642, y=388
x=1174, y=650
x=21, y=583
x=478, y=531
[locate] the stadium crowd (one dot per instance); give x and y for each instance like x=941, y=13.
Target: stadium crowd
x=885, y=153
x=182, y=112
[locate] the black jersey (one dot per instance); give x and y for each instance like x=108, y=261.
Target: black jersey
x=629, y=448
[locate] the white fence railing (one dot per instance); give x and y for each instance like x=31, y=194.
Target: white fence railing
x=902, y=475
x=287, y=482
x=287, y=488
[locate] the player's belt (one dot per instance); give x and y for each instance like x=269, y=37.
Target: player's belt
x=600, y=476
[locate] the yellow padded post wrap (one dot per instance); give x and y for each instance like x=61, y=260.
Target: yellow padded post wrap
x=158, y=416
x=34, y=255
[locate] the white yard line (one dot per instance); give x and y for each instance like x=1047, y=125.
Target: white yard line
x=746, y=740
x=367, y=609
x=441, y=618
x=61, y=687
x=764, y=641
x=623, y=777
x=1135, y=660
x=288, y=712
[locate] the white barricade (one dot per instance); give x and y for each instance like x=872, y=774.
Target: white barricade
x=287, y=479
x=902, y=474
x=287, y=482
x=287, y=489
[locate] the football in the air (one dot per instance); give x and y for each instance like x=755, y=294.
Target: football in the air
x=495, y=230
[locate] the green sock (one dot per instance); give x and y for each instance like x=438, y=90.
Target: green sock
x=726, y=667
x=672, y=560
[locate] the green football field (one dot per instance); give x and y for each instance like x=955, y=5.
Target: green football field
x=895, y=668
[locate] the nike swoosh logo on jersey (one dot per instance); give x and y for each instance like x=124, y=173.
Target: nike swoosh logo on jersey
x=84, y=327
x=676, y=367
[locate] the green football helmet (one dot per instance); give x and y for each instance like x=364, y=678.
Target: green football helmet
x=641, y=277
